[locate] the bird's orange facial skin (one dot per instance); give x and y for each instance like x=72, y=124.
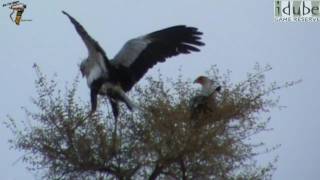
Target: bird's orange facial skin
x=199, y=80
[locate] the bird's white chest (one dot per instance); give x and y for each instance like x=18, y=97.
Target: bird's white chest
x=207, y=89
x=94, y=74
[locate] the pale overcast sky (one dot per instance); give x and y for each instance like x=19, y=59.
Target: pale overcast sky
x=237, y=34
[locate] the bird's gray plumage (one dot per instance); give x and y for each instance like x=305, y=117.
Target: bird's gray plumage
x=115, y=77
x=205, y=101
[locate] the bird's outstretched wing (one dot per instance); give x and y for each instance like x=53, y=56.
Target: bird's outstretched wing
x=142, y=53
x=94, y=49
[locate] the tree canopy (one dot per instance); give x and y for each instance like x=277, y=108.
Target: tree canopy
x=158, y=141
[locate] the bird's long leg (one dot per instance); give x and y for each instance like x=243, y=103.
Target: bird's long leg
x=115, y=111
x=114, y=136
x=11, y=15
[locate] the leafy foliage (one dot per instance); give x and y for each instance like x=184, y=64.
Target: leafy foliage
x=159, y=141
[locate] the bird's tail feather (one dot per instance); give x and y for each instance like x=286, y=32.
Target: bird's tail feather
x=130, y=104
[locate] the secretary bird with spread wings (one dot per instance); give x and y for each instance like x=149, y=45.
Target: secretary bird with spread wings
x=113, y=78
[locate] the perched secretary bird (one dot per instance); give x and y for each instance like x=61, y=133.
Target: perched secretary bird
x=113, y=78
x=204, y=102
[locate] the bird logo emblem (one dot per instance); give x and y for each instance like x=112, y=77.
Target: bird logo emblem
x=18, y=9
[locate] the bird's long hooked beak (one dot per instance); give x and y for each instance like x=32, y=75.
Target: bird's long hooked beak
x=81, y=70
